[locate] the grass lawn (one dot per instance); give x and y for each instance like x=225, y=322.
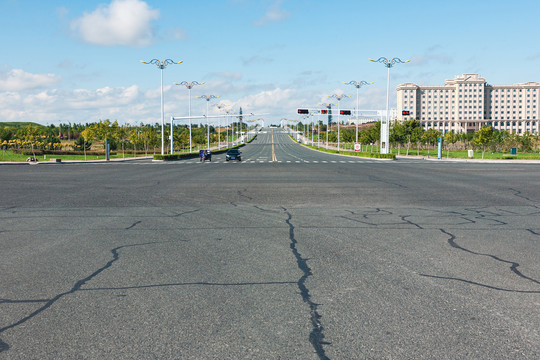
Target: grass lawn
x=10, y=156
x=463, y=154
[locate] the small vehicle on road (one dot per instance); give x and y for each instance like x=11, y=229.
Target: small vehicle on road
x=205, y=155
x=233, y=154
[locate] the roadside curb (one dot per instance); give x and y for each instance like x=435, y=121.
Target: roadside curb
x=481, y=161
x=98, y=161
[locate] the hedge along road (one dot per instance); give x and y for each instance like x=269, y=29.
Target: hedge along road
x=306, y=259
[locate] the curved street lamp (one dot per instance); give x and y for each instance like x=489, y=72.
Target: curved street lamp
x=162, y=65
x=385, y=125
x=207, y=98
x=357, y=85
x=189, y=86
x=221, y=106
x=338, y=98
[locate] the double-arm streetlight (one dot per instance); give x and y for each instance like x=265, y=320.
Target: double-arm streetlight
x=189, y=86
x=385, y=125
x=357, y=85
x=221, y=106
x=162, y=65
x=207, y=98
x=338, y=98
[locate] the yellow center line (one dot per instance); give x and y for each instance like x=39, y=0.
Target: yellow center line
x=274, y=158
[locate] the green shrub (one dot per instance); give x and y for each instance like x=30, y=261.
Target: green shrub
x=354, y=153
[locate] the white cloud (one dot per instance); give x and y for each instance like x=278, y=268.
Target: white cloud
x=123, y=22
x=256, y=59
x=274, y=14
x=17, y=80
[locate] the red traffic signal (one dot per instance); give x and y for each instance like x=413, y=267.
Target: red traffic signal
x=344, y=112
x=324, y=112
x=405, y=113
x=303, y=111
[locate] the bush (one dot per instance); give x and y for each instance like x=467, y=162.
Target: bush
x=57, y=152
x=172, y=157
x=354, y=153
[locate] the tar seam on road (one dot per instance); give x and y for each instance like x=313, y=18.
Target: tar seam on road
x=514, y=265
x=513, y=268
x=76, y=287
x=316, y=336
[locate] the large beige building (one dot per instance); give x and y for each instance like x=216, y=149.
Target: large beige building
x=468, y=102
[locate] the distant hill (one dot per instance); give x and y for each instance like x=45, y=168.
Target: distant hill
x=18, y=124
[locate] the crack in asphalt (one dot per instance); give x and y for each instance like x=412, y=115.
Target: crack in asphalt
x=185, y=212
x=514, y=265
x=133, y=225
x=404, y=219
x=199, y=283
x=481, y=285
x=316, y=336
x=76, y=287
x=518, y=194
x=376, y=178
x=241, y=194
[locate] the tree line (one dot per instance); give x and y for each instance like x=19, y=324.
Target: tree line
x=82, y=137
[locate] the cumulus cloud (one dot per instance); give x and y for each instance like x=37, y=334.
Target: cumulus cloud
x=122, y=22
x=17, y=80
x=273, y=15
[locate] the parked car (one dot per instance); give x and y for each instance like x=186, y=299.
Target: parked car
x=233, y=154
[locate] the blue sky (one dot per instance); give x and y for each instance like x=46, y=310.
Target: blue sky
x=78, y=61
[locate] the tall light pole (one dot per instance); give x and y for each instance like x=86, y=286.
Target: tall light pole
x=385, y=125
x=220, y=106
x=162, y=65
x=207, y=98
x=189, y=86
x=338, y=98
x=357, y=85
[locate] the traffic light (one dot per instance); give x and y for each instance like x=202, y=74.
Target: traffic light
x=344, y=112
x=303, y=111
x=324, y=111
x=405, y=113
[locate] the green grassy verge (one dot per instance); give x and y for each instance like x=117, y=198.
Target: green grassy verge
x=463, y=154
x=8, y=155
x=353, y=153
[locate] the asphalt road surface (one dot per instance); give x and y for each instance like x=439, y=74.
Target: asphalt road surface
x=289, y=254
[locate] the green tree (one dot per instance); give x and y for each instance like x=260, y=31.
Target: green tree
x=483, y=137
x=430, y=137
x=450, y=138
x=5, y=134
x=398, y=135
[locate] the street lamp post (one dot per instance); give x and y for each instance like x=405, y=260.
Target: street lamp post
x=385, y=125
x=220, y=106
x=357, y=85
x=162, y=65
x=319, y=130
x=329, y=107
x=189, y=86
x=338, y=98
x=207, y=98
